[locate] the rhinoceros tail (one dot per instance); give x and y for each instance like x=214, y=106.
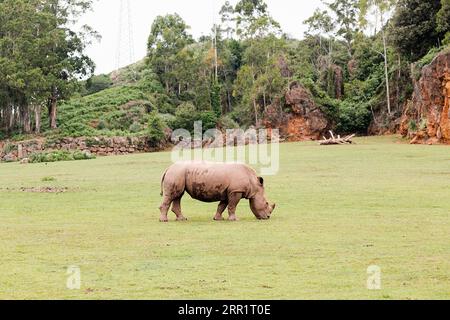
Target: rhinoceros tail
x=162, y=183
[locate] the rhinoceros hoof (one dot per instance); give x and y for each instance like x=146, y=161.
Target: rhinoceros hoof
x=163, y=219
x=218, y=218
x=182, y=219
x=233, y=218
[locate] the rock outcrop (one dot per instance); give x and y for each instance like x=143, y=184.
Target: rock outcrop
x=304, y=121
x=425, y=118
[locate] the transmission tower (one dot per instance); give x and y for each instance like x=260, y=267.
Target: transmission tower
x=125, y=43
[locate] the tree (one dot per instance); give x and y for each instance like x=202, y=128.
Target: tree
x=320, y=23
x=167, y=38
x=155, y=130
x=443, y=20
x=416, y=22
x=347, y=13
x=43, y=58
x=227, y=18
x=382, y=8
x=253, y=19
x=65, y=61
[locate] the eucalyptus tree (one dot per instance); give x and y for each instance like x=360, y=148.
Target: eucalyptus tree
x=347, y=14
x=382, y=9
x=41, y=57
x=168, y=37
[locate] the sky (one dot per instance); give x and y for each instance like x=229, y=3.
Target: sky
x=198, y=14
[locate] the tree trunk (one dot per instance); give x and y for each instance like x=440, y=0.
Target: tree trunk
x=52, y=112
x=25, y=119
x=37, y=117
x=230, y=107
x=17, y=119
x=7, y=118
x=166, y=81
x=386, y=71
x=265, y=103
x=256, y=112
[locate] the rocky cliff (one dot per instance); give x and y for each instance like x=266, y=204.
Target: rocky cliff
x=303, y=120
x=425, y=118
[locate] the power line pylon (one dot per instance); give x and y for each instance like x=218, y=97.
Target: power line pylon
x=125, y=43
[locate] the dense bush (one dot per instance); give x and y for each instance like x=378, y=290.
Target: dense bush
x=155, y=130
x=80, y=155
x=61, y=155
x=98, y=83
x=135, y=128
x=209, y=120
x=353, y=117
x=226, y=123
x=185, y=117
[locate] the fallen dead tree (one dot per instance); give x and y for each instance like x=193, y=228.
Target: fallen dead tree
x=337, y=140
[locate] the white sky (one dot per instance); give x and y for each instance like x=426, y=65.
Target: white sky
x=197, y=13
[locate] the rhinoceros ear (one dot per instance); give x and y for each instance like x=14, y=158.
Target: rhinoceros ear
x=261, y=180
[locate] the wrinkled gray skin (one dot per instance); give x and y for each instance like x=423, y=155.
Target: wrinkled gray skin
x=214, y=182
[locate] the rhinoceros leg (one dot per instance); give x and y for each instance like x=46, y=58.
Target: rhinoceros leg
x=165, y=206
x=233, y=201
x=176, y=208
x=220, y=210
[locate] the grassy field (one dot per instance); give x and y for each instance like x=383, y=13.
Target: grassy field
x=340, y=210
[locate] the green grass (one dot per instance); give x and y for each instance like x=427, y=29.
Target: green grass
x=340, y=210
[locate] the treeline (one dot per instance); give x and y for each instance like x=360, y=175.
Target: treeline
x=41, y=60
x=357, y=60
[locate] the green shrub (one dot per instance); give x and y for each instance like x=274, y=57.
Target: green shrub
x=353, y=117
x=446, y=40
x=53, y=156
x=102, y=125
x=412, y=126
x=61, y=155
x=427, y=59
x=82, y=155
x=209, y=120
x=226, y=122
x=135, y=127
x=155, y=130
x=98, y=83
x=185, y=117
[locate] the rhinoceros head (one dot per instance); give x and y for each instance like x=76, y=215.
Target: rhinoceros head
x=259, y=204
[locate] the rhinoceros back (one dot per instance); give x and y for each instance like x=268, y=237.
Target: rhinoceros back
x=212, y=182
